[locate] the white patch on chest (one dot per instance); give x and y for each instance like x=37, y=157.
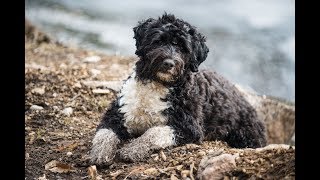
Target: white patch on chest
x=142, y=105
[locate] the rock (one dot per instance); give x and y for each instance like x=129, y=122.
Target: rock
x=55, y=107
x=78, y=85
x=67, y=111
x=150, y=171
x=92, y=59
x=43, y=177
x=215, y=167
x=69, y=153
x=39, y=91
x=95, y=72
x=36, y=107
x=163, y=156
x=278, y=114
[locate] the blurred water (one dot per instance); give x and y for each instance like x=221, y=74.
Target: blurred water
x=251, y=42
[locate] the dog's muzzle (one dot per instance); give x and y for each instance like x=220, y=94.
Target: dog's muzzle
x=167, y=65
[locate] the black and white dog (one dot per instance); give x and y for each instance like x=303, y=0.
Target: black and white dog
x=168, y=102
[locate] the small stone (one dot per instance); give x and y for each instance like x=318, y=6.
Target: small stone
x=67, y=111
x=69, y=153
x=163, y=156
x=92, y=59
x=95, y=72
x=185, y=173
x=63, y=66
x=36, y=107
x=215, y=167
x=77, y=84
x=43, y=177
x=54, y=94
x=179, y=167
x=201, y=153
x=55, y=107
x=156, y=158
x=174, y=162
x=173, y=177
x=39, y=91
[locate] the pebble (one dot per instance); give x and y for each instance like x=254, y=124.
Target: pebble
x=36, y=107
x=78, y=85
x=179, y=167
x=67, y=111
x=156, y=158
x=69, y=153
x=92, y=59
x=201, y=153
x=173, y=177
x=163, y=156
x=39, y=91
x=95, y=72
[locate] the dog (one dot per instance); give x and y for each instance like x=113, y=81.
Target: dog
x=168, y=102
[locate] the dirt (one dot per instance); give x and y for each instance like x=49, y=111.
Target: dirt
x=55, y=79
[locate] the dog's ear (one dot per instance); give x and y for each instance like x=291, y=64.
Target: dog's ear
x=200, y=51
x=139, y=33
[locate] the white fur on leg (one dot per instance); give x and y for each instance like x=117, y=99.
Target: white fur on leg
x=154, y=138
x=104, y=146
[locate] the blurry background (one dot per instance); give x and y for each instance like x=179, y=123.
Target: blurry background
x=251, y=42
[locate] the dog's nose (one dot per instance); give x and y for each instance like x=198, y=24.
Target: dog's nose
x=168, y=63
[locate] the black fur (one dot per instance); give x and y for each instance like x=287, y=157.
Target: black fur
x=204, y=105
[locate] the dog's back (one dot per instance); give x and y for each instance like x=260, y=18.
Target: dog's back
x=227, y=115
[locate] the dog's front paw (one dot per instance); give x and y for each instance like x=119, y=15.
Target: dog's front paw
x=133, y=153
x=104, y=147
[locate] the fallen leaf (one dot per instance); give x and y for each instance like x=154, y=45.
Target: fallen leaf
x=93, y=173
x=70, y=146
x=116, y=174
x=150, y=171
x=101, y=91
x=43, y=177
x=56, y=166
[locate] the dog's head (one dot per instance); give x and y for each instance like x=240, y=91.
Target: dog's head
x=168, y=47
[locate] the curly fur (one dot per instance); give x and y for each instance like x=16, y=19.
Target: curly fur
x=168, y=98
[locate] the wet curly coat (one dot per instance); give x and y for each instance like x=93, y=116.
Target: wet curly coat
x=167, y=101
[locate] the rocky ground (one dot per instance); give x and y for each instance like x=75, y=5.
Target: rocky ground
x=67, y=89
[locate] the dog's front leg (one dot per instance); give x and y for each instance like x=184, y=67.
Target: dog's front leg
x=104, y=146
x=153, y=139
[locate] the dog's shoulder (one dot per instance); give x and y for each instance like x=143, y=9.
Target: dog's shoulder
x=211, y=78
